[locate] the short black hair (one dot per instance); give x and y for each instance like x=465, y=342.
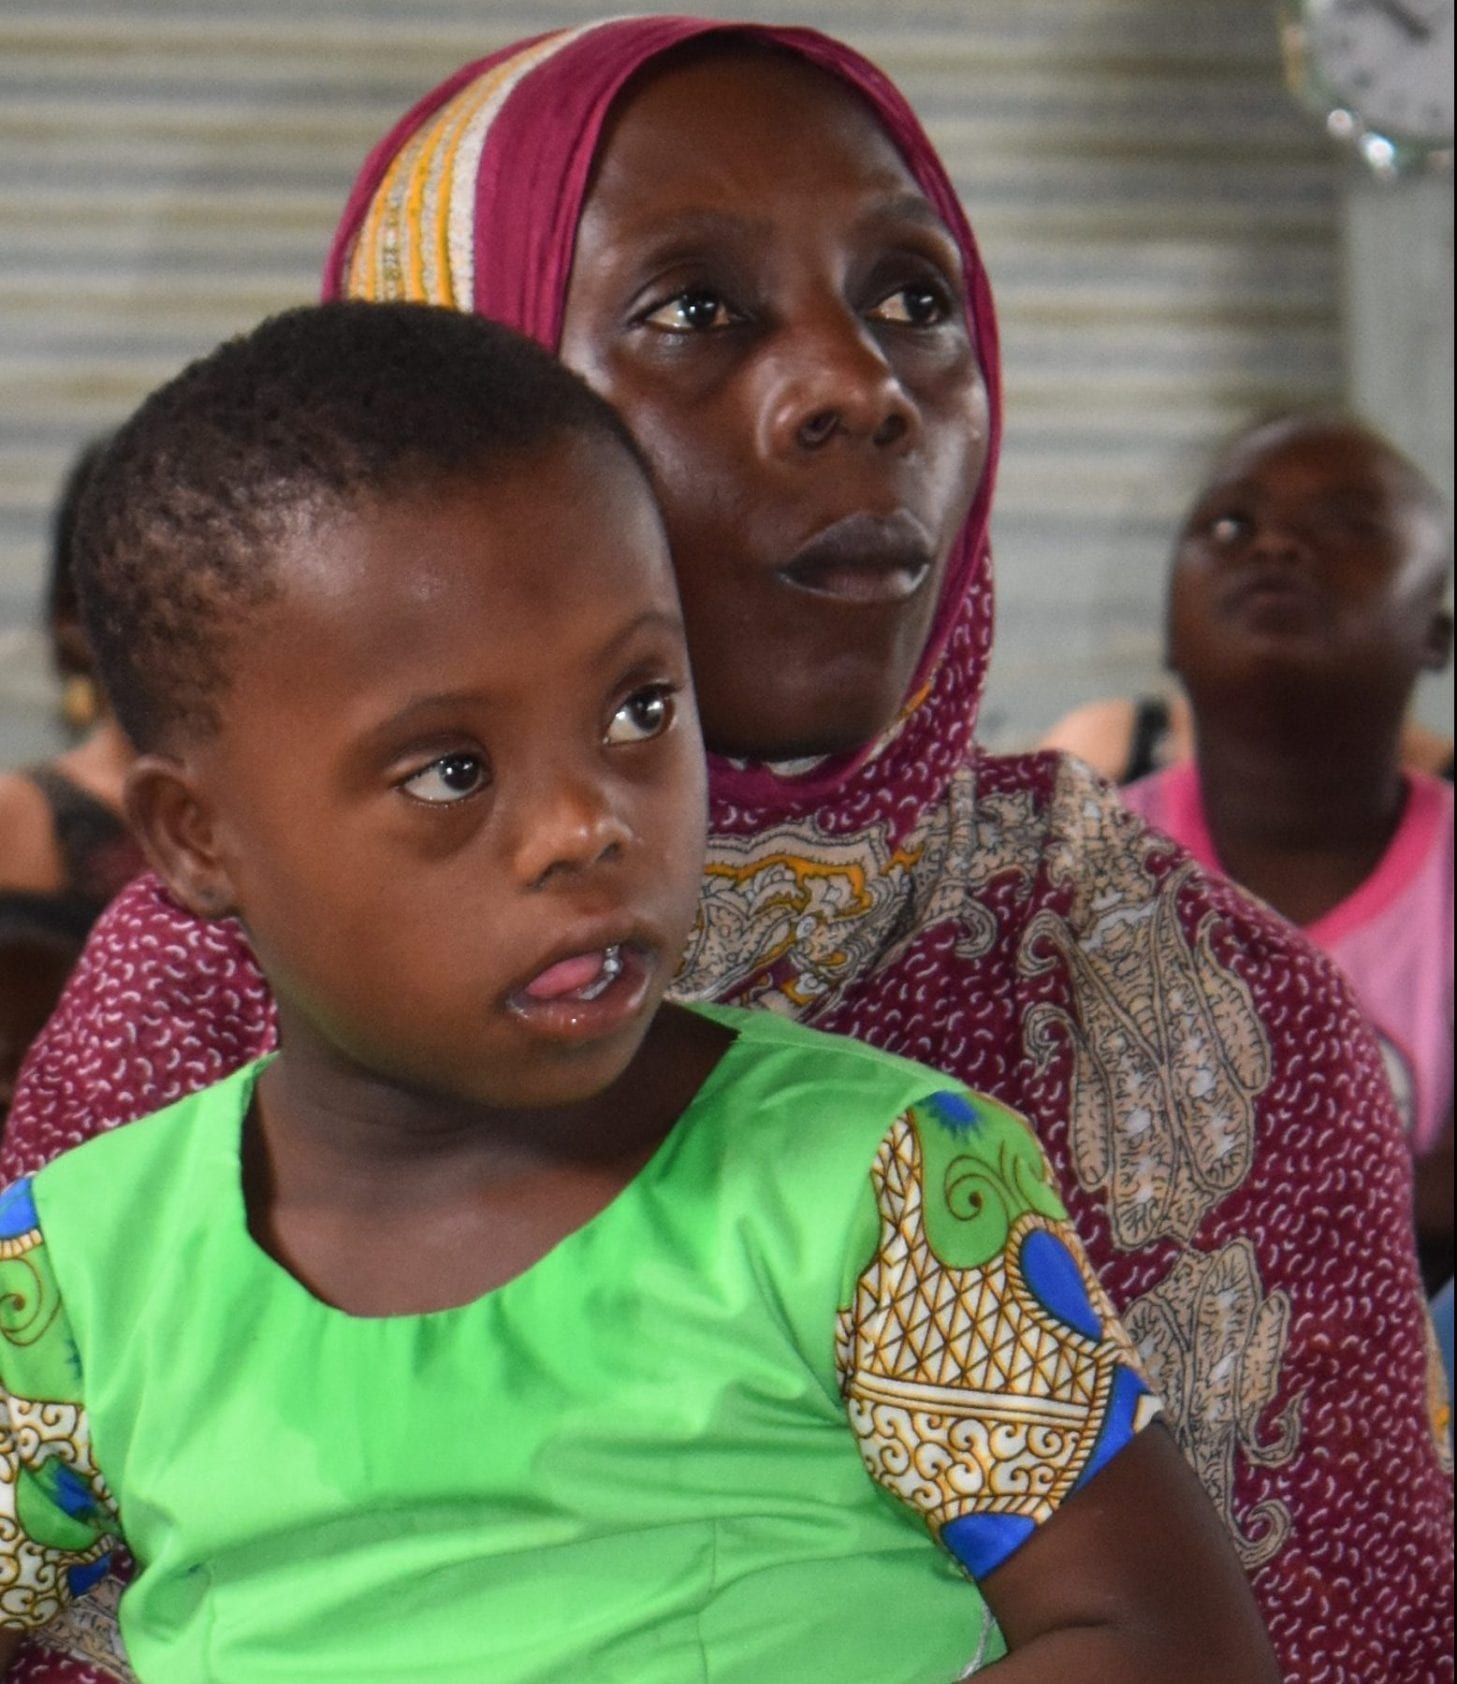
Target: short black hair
x=62, y=605
x=309, y=415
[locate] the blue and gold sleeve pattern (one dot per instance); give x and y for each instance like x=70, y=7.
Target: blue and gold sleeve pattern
x=984, y=1370
x=57, y=1520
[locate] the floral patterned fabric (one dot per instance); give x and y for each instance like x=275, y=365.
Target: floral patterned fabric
x=1215, y=1111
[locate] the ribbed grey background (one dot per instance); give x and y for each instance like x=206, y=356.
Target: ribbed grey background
x=1161, y=222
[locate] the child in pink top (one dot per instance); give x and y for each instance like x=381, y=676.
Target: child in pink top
x=1306, y=598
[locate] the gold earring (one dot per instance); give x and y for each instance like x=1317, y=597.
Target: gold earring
x=80, y=702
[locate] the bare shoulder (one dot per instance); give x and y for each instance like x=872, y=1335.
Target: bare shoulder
x=29, y=860
x=1425, y=750
x=1099, y=733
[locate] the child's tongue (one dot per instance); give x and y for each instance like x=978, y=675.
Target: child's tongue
x=565, y=977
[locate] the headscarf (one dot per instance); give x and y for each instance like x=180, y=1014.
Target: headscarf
x=1211, y=1102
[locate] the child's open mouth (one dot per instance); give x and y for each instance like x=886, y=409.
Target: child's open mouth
x=586, y=994
x=587, y=976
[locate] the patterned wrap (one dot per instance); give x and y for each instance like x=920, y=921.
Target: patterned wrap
x=1213, y=1106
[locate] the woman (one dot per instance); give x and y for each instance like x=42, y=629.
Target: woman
x=755, y=253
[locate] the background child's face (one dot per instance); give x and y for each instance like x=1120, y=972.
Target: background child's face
x=1308, y=551
x=772, y=304
x=461, y=750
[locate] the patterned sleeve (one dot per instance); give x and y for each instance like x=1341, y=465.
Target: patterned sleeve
x=57, y=1520
x=985, y=1372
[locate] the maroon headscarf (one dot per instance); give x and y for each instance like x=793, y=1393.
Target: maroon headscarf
x=1212, y=1103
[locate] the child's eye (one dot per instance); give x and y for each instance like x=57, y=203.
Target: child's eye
x=645, y=713
x=1227, y=530
x=918, y=304
x=697, y=310
x=1348, y=527
x=452, y=777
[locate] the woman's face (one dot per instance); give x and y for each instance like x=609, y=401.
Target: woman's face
x=772, y=303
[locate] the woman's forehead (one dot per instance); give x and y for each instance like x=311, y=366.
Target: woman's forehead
x=740, y=110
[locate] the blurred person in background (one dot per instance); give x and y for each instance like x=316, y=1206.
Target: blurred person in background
x=41, y=937
x=62, y=831
x=65, y=849
x=1125, y=738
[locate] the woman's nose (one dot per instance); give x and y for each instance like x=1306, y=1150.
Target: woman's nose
x=829, y=382
x=565, y=827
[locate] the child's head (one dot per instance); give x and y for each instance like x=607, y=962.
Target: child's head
x=1316, y=557
x=383, y=595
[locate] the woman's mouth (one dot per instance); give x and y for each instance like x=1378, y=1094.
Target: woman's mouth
x=867, y=559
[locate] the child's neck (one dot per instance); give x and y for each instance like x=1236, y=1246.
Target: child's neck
x=1301, y=801
x=388, y=1202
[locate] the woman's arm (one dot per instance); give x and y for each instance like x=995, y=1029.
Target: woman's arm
x=1132, y=1581
x=1099, y=733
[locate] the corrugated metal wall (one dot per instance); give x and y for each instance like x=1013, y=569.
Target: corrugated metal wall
x=1161, y=223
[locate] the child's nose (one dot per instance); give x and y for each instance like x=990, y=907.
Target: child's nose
x=568, y=826
x=1280, y=537
x=825, y=379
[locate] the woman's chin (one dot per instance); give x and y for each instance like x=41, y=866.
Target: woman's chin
x=827, y=739
x=803, y=700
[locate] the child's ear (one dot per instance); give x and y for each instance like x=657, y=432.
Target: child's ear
x=176, y=826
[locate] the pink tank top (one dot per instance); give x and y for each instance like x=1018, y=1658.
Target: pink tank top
x=1392, y=936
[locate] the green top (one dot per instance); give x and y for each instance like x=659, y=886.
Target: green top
x=631, y=1464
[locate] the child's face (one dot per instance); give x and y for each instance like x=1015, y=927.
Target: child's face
x=773, y=305
x=458, y=796
x=1309, y=551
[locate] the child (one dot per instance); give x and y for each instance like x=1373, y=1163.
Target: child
x=509, y=1325
x=1306, y=600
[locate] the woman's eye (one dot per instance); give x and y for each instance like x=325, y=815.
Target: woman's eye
x=452, y=777
x=694, y=311
x=916, y=305
x=645, y=714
